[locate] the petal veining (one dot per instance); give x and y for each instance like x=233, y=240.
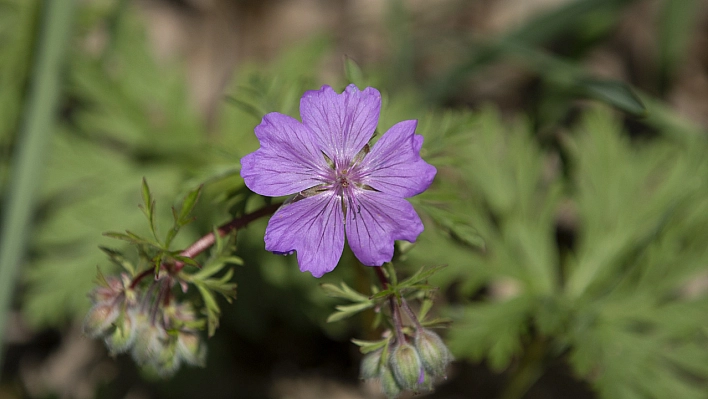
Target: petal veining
x=378, y=220
x=288, y=161
x=314, y=228
x=343, y=123
x=394, y=165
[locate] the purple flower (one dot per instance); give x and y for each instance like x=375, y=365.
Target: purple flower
x=339, y=183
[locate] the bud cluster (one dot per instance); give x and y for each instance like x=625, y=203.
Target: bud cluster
x=408, y=366
x=159, y=332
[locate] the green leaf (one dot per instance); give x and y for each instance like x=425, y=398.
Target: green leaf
x=677, y=26
x=493, y=330
x=353, y=72
x=188, y=205
x=187, y=260
x=421, y=275
x=370, y=346
x=547, y=26
x=211, y=307
x=345, y=311
x=148, y=208
x=101, y=279
x=344, y=292
x=132, y=238
x=117, y=259
x=618, y=94
x=425, y=307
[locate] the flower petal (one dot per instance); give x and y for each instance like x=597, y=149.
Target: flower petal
x=377, y=221
x=343, y=123
x=288, y=160
x=394, y=165
x=314, y=227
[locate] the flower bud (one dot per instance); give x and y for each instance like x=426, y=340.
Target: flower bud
x=190, y=348
x=425, y=382
x=107, y=293
x=149, y=344
x=123, y=335
x=168, y=362
x=406, y=366
x=432, y=351
x=371, y=365
x=389, y=385
x=99, y=319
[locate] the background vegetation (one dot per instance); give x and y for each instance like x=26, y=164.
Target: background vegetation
x=570, y=207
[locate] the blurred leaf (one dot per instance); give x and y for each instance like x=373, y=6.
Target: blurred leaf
x=617, y=94
x=557, y=22
x=117, y=259
x=353, y=73
x=621, y=212
x=344, y=311
x=677, y=24
x=492, y=330
x=370, y=346
x=343, y=292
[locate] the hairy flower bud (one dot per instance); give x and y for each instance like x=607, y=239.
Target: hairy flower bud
x=425, y=382
x=406, y=365
x=433, y=352
x=389, y=385
x=190, y=348
x=371, y=365
x=107, y=292
x=168, y=362
x=123, y=335
x=99, y=319
x=149, y=344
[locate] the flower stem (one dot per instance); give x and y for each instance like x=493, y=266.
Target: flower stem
x=397, y=320
x=411, y=314
x=382, y=277
x=141, y=276
x=208, y=240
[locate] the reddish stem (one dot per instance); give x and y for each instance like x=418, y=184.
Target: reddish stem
x=141, y=276
x=395, y=309
x=382, y=277
x=397, y=320
x=411, y=314
x=208, y=240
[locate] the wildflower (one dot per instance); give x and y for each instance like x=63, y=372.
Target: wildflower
x=339, y=184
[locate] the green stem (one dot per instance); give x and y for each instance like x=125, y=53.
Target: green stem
x=32, y=140
x=529, y=371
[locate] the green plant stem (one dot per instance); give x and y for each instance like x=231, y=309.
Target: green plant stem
x=38, y=117
x=529, y=371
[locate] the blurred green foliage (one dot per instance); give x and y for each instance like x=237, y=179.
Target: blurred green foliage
x=563, y=237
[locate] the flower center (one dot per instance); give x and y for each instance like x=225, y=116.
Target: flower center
x=343, y=178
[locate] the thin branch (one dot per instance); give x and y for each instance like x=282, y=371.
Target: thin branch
x=382, y=277
x=208, y=240
x=411, y=314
